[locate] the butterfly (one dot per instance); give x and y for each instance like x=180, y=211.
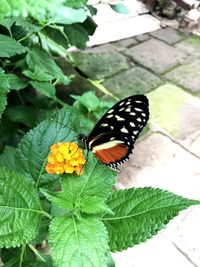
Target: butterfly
x=113, y=137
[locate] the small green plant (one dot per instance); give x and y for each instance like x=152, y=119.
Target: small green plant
x=60, y=219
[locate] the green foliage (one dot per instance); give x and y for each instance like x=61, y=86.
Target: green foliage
x=73, y=244
x=20, y=209
x=139, y=213
x=82, y=217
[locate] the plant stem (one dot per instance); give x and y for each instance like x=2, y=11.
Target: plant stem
x=21, y=99
x=36, y=252
x=22, y=255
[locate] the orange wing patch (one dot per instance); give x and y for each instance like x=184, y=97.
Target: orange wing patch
x=112, y=154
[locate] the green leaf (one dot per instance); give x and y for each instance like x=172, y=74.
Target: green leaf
x=88, y=100
x=75, y=3
x=93, y=204
x=77, y=35
x=68, y=15
x=58, y=198
x=96, y=181
x=38, y=75
x=45, y=88
x=76, y=243
x=110, y=261
x=7, y=159
x=40, y=60
x=16, y=83
x=7, y=22
x=34, y=147
x=139, y=213
x=10, y=47
x=120, y=8
x=4, y=84
x=20, y=209
x=23, y=114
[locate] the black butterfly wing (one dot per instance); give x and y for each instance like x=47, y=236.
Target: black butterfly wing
x=113, y=137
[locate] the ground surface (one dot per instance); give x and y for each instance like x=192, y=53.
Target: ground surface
x=164, y=65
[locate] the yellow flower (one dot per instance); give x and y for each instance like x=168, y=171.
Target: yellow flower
x=65, y=157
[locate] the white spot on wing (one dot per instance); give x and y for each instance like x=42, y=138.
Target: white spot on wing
x=110, y=116
x=132, y=124
x=110, y=111
x=127, y=109
x=112, y=138
x=132, y=113
x=124, y=130
x=106, y=145
x=137, y=109
x=143, y=114
x=139, y=119
x=104, y=124
x=111, y=127
x=138, y=101
x=122, y=103
x=119, y=118
x=121, y=109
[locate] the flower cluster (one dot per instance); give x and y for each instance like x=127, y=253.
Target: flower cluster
x=65, y=157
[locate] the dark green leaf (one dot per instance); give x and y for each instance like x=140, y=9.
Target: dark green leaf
x=16, y=83
x=139, y=213
x=76, y=243
x=37, y=59
x=45, y=88
x=23, y=114
x=77, y=35
x=20, y=209
x=4, y=88
x=10, y=47
x=7, y=159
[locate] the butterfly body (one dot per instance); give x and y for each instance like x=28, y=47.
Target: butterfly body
x=113, y=137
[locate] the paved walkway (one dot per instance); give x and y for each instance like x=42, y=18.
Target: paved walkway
x=165, y=65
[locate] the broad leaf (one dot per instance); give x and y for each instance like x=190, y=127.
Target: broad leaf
x=45, y=88
x=10, y=47
x=139, y=213
x=38, y=75
x=68, y=15
x=7, y=158
x=23, y=114
x=37, y=59
x=77, y=35
x=96, y=181
x=75, y=3
x=34, y=147
x=4, y=84
x=16, y=83
x=7, y=22
x=76, y=243
x=20, y=209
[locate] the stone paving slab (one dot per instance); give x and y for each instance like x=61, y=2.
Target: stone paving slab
x=100, y=64
x=155, y=252
x=187, y=75
x=156, y=55
x=123, y=44
x=122, y=29
x=168, y=35
x=133, y=81
x=159, y=162
x=191, y=45
x=175, y=110
x=184, y=232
